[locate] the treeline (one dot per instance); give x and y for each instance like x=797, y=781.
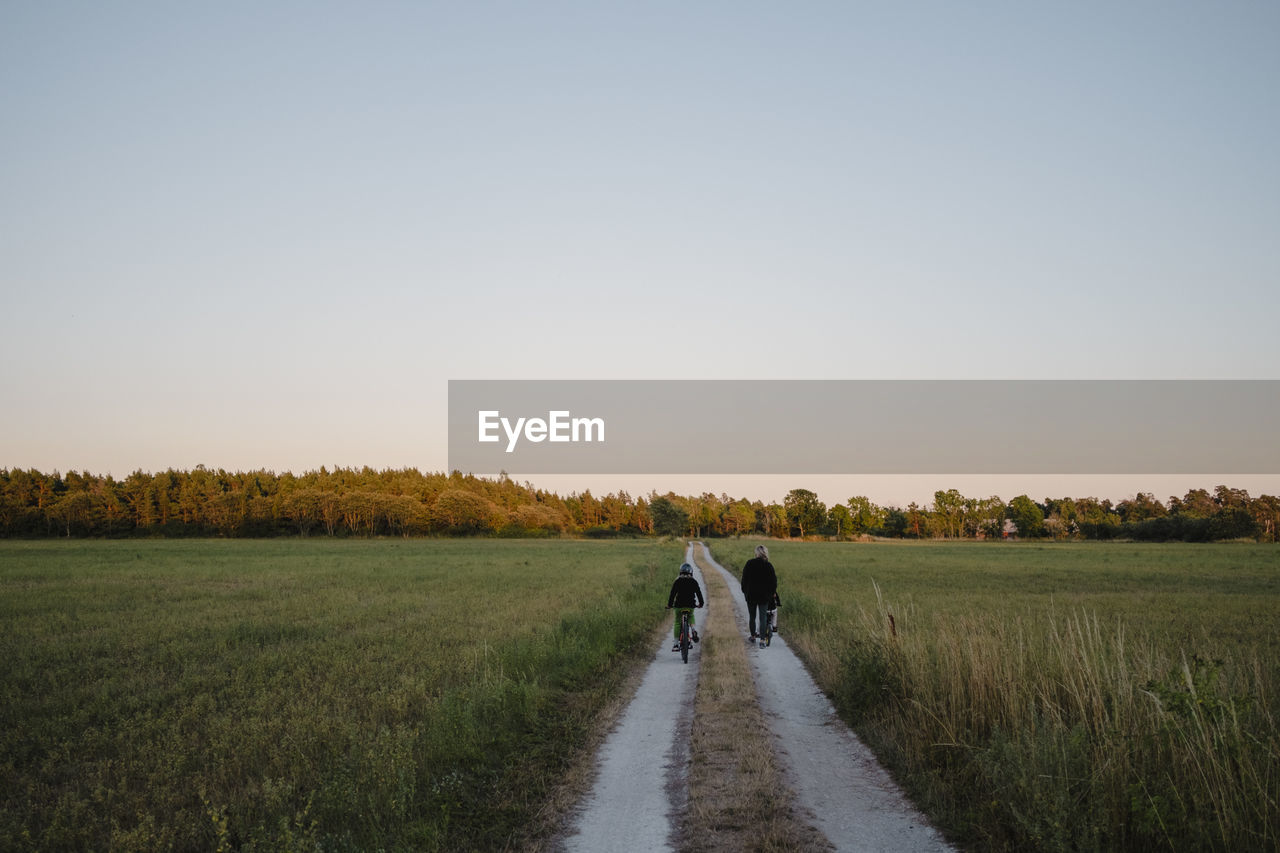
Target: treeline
x=407, y=502
x=1199, y=516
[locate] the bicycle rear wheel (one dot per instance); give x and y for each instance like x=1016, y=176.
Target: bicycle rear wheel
x=684, y=637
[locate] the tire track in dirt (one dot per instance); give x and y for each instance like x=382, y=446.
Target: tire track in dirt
x=737, y=800
x=640, y=787
x=855, y=803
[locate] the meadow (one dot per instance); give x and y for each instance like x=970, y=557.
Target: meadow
x=285, y=694
x=1073, y=696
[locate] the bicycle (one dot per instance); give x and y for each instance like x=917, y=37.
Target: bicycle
x=766, y=630
x=686, y=634
x=685, y=642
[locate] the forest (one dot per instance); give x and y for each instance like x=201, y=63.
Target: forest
x=347, y=502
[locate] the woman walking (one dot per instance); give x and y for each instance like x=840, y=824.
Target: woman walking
x=759, y=586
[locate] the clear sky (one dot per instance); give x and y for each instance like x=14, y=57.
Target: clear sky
x=265, y=235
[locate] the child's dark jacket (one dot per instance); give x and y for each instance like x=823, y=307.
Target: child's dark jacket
x=685, y=592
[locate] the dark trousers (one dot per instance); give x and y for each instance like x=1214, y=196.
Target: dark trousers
x=754, y=608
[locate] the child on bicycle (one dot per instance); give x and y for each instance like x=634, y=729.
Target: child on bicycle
x=685, y=596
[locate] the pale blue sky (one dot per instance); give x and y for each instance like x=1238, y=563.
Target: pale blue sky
x=266, y=234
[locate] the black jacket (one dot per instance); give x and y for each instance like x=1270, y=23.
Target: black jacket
x=685, y=592
x=759, y=581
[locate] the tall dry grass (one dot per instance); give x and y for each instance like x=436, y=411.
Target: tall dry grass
x=1057, y=731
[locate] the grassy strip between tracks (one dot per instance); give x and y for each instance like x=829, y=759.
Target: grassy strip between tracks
x=290, y=695
x=1055, y=697
x=737, y=800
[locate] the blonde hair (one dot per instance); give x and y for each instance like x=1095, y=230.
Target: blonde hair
x=762, y=551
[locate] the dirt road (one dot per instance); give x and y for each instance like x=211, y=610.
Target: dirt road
x=639, y=791
x=855, y=803
x=640, y=794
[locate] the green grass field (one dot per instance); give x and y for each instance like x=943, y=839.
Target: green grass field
x=426, y=694
x=1081, y=696
x=202, y=695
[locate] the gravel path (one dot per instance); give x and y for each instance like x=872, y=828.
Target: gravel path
x=855, y=802
x=639, y=790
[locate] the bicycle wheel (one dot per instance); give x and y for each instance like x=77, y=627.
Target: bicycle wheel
x=684, y=637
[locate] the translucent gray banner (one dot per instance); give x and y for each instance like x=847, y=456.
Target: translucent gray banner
x=864, y=427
